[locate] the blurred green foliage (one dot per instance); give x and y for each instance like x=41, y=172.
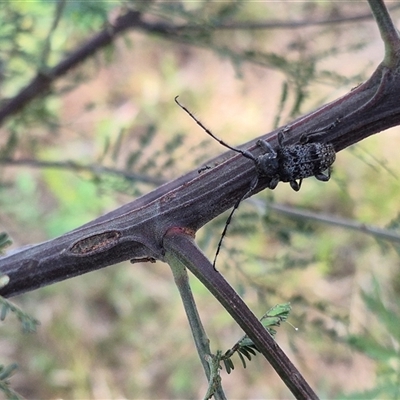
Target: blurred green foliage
x=121, y=332
x=382, y=345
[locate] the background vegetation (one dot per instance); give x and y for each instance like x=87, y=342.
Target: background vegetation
x=121, y=332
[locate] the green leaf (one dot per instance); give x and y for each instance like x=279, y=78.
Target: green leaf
x=245, y=346
x=242, y=359
x=28, y=323
x=6, y=372
x=5, y=241
x=371, y=347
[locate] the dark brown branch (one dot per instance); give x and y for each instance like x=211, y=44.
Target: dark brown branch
x=136, y=230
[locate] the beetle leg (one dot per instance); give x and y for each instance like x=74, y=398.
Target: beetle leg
x=296, y=185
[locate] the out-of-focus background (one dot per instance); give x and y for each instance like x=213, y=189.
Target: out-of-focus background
x=121, y=332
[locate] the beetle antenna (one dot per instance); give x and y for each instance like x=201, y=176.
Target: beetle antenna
x=244, y=153
x=228, y=221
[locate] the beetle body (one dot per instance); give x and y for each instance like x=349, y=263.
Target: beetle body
x=292, y=163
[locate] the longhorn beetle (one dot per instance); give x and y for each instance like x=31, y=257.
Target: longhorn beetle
x=291, y=163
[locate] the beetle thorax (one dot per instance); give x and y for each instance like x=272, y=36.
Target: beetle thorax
x=268, y=165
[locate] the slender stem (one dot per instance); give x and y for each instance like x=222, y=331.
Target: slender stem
x=277, y=24
x=378, y=233
x=76, y=166
x=182, y=245
x=199, y=335
x=60, y=6
x=388, y=31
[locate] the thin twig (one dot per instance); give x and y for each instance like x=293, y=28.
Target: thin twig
x=251, y=25
x=376, y=232
x=199, y=335
x=74, y=166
